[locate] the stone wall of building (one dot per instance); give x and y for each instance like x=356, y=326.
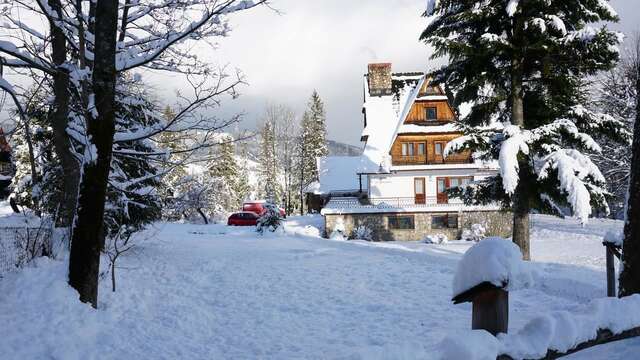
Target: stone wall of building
x=497, y=224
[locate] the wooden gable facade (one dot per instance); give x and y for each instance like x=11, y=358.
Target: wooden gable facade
x=430, y=108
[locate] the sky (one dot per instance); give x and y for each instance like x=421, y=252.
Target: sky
x=324, y=45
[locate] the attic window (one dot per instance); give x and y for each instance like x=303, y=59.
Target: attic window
x=432, y=113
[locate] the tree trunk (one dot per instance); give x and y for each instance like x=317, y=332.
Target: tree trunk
x=630, y=275
x=204, y=217
x=521, y=211
x=88, y=234
x=60, y=120
x=521, y=206
x=113, y=275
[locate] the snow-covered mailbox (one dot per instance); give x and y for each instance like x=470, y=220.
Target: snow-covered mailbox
x=485, y=275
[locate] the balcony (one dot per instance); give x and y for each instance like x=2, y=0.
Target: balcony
x=462, y=158
x=402, y=202
x=398, y=204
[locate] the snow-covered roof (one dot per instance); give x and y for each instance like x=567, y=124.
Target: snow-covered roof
x=352, y=205
x=337, y=174
x=384, y=116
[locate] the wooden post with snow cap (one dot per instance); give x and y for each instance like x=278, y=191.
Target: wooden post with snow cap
x=613, y=243
x=490, y=307
x=485, y=275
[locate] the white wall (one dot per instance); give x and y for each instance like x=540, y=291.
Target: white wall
x=401, y=184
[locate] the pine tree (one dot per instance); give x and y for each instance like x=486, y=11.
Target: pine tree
x=242, y=188
x=312, y=143
x=226, y=169
x=269, y=163
x=519, y=66
x=317, y=134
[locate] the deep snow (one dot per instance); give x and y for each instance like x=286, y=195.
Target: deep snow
x=214, y=292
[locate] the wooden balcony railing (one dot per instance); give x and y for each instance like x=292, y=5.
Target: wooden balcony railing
x=423, y=160
x=399, y=202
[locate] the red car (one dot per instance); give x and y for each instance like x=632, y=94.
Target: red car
x=257, y=207
x=243, y=218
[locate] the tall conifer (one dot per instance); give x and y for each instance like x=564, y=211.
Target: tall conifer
x=517, y=66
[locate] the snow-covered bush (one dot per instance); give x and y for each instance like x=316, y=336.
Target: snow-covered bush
x=339, y=231
x=435, y=239
x=493, y=260
x=270, y=219
x=476, y=233
x=362, y=232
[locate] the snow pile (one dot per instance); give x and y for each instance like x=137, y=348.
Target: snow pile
x=469, y=345
x=308, y=230
x=614, y=237
x=40, y=297
x=563, y=330
x=476, y=233
x=493, y=260
x=436, y=239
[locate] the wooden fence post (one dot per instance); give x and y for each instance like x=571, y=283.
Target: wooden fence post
x=490, y=309
x=611, y=272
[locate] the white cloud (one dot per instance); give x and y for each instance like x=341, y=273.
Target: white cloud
x=324, y=45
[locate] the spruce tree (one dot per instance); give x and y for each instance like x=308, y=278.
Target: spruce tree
x=312, y=143
x=225, y=168
x=269, y=163
x=519, y=67
x=242, y=188
x=316, y=136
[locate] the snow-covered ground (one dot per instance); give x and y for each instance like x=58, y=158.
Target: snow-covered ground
x=215, y=292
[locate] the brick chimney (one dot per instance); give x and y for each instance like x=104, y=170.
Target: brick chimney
x=379, y=79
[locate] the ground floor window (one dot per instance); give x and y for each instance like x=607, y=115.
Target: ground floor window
x=444, y=221
x=406, y=222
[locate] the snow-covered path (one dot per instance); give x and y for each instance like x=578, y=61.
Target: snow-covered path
x=213, y=292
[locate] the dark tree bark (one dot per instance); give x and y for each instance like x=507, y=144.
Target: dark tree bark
x=88, y=234
x=630, y=275
x=521, y=205
x=60, y=120
x=204, y=217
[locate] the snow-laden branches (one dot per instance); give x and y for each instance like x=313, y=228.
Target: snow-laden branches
x=515, y=143
x=576, y=174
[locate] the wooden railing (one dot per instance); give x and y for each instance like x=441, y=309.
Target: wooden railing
x=422, y=160
x=393, y=202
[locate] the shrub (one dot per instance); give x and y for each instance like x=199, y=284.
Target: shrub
x=435, y=239
x=362, y=232
x=270, y=219
x=338, y=232
x=476, y=233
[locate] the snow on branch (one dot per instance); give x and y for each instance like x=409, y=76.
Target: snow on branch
x=573, y=170
x=514, y=144
x=172, y=25
x=512, y=7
